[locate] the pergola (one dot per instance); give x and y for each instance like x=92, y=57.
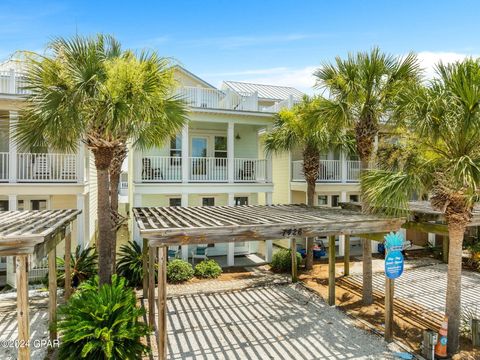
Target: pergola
x=165, y=226
x=36, y=234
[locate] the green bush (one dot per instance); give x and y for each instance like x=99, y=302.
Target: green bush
x=102, y=323
x=208, y=269
x=282, y=260
x=83, y=265
x=130, y=264
x=179, y=271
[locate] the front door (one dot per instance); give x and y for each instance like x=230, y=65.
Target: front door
x=199, y=166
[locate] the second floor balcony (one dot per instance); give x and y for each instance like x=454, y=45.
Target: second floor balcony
x=330, y=171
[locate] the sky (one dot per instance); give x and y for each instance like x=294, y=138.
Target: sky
x=274, y=42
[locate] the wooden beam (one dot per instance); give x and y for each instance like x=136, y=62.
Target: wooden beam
x=331, y=270
x=346, y=257
x=162, y=303
x=389, y=293
x=68, y=270
x=52, y=293
x=22, y=307
x=151, y=287
x=145, y=268
x=293, y=253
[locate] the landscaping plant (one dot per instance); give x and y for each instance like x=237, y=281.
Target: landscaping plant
x=207, y=269
x=282, y=260
x=102, y=323
x=179, y=271
x=130, y=264
x=83, y=265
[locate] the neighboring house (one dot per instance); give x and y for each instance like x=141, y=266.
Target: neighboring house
x=38, y=179
x=218, y=158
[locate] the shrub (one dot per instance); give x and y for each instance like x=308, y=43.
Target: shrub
x=208, y=269
x=282, y=260
x=130, y=264
x=178, y=271
x=102, y=323
x=83, y=265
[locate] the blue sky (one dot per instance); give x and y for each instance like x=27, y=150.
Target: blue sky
x=278, y=42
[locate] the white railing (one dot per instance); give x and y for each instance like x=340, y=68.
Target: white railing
x=250, y=170
x=46, y=167
x=3, y=166
x=161, y=169
x=329, y=171
x=12, y=82
x=208, y=169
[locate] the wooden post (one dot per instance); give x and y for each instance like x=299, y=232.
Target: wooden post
x=22, y=307
x=445, y=249
x=52, y=293
x=68, y=270
x=293, y=251
x=151, y=287
x=162, y=302
x=476, y=332
x=145, y=268
x=389, y=293
x=346, y=257
x=331, y=270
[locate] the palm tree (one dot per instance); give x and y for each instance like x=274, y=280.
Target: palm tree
x=444, y=162
x=363, y=90
x=299, y=128
x=91, y=91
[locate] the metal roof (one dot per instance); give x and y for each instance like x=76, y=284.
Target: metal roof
x=272, y=92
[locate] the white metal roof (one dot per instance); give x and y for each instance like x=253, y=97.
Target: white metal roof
x=272, y=92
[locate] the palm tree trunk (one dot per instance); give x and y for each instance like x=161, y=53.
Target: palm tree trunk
x=310, y=202
x=103, y=158
x=367, y=289
x=311, y=164
x=454, y=289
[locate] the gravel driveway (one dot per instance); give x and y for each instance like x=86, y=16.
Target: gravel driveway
x=269, y=322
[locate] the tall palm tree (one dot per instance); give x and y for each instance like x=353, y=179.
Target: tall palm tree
x=363, y=89
x=299, y=128
x=89, y=90
x=444, y=125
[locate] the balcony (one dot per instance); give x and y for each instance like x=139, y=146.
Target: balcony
x=331, y=171
x=12, y=82
x=39, y=168
x=167, y=169
x=207, y=98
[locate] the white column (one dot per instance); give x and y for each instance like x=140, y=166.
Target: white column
x=81, y=163
x=344, y=166
x=184, y=247
x=12, y=147
x=81, y=221
x=137, y=201
x=137, y=165
x=431, y=239
x=185, y=162
x=231, y=245
x=341, y=238
x=268, y=243
x=12, y=84
x=12, y=202
x=231, y=151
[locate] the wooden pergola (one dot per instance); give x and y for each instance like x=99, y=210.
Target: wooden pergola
x=36, y=234
x=165, y=226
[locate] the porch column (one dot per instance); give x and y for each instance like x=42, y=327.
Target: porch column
x=231, y=152
x=81, y=221
x=81, y=163
x=184, y=246
x=331, y=270
x=68, y=270
x=137, y=201
x=52, y=291
x=268, y=243
x=22, y=306
x=344, y=168
x=12, y=148
x=341, y=238
x=12, y=202
x=185, y=162
x=231, y=245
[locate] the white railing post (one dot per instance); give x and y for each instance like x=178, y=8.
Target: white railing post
x=12, y=147
x=12, y=85
x=344, y=167
x=230, y=151
x=185, y=159
x=80, y=160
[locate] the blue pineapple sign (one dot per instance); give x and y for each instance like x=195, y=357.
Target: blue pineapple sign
x=394, y=259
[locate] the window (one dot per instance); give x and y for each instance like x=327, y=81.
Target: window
x=221, y=150
x=354, y=198
x=38, y=204
x=175, y=202
x=209, y=201
x=20, y=205
x=241, y=200
x=335, y=199
x=3, y=205
x=322, y=200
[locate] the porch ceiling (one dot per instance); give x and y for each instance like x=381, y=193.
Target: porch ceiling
x=216, y=224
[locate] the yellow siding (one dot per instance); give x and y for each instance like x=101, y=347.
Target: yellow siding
x=65, y=202
x=281, y=178
x=298, y=197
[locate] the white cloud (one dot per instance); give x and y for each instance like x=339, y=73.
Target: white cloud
x=429, y=59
